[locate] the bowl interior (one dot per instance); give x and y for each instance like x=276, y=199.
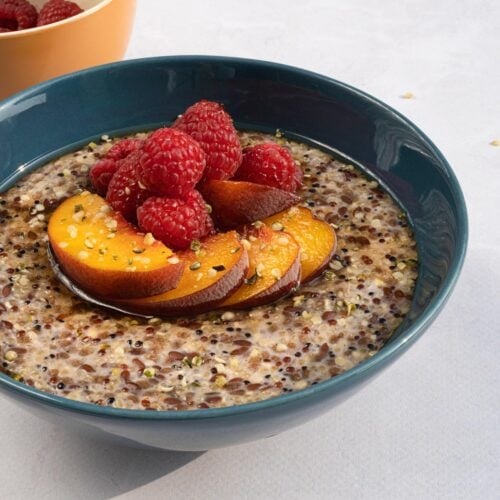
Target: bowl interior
x=58, y=116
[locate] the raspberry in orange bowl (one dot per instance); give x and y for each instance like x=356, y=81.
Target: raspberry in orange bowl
x=256, y=326
x=70, y=39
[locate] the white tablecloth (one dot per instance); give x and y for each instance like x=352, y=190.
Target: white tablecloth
x=429, y=427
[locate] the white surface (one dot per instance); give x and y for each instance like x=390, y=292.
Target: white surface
x=429, y=427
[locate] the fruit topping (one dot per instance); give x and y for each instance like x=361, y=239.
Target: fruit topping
x=274, y=268
x=235, y=203
x=213, y=269
x=125, y=192
x=213, y=129
x=175, y=221
x=105, y=255
x=123, y=148
x=270, y=164
x=171, y=163
x=152, y=183
x=102, y=172
x=316, y=238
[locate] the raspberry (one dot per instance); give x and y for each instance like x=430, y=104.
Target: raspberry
x=171, y=163
x=125, y=192
x=208, y=123
x=17, y=15
x=270, y=164
x=102, y=172
x=122, y=149
x=57, y=10
x=176, y=222
x=209, y=226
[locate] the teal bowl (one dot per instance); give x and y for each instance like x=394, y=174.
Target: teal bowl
x=45, y=121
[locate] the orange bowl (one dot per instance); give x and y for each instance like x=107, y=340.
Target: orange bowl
x=98, y=35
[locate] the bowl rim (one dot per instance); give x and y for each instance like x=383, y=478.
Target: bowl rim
x=47, y=27
x=339, y=382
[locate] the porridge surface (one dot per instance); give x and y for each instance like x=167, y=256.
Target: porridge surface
x=53, y=341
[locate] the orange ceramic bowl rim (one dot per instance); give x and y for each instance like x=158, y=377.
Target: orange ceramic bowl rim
x=47, y=27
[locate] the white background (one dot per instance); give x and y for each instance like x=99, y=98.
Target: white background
x=429, y=427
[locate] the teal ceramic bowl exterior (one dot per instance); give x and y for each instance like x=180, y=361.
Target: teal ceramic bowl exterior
x=63, y=114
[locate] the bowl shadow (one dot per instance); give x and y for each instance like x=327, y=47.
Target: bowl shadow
x=116, y=469
x=79, y=464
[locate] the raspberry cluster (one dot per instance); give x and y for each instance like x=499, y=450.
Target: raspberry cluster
x=16, y=15
x=153, y=182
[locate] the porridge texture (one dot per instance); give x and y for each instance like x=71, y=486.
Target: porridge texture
x=53, y=341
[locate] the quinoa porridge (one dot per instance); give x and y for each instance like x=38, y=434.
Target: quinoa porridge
x=52, y=340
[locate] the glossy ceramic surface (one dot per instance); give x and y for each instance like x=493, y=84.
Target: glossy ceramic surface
x=97, y=36
x=62, y=114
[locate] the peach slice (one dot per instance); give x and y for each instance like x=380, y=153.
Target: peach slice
x=316, y=238
x=274, y=268
x=213, y=270
x=105, y=255
x=235, y=203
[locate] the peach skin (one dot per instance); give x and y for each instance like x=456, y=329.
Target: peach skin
x=213, y=269
x=235, y=203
